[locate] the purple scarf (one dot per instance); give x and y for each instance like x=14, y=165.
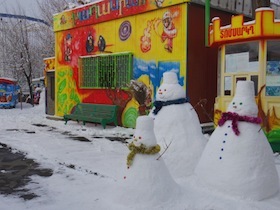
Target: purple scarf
x=234, y=117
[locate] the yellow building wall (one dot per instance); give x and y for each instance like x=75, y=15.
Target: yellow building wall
x=143, y=36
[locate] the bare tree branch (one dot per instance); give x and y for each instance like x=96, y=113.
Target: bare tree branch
x=166, y=148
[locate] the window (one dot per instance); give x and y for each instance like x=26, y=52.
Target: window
x=242, y=57
x=255, y=79
x=273, y=69
x=241, y=63
x=103, y=71
x=228, y=85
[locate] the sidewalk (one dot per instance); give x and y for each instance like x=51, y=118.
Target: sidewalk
x=15, y=172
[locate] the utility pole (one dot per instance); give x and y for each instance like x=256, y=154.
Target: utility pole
x=2, y=41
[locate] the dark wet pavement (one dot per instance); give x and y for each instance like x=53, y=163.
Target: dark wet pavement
x=16, y=171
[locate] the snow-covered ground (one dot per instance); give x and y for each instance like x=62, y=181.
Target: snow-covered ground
x=95, y=179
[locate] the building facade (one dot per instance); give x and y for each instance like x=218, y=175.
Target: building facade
x=115, y=52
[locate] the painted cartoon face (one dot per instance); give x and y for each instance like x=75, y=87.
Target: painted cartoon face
x=89, y=43
x=159, y=3
x=168, y=92
x=167, y=22
x=243, y=106
x=90, y=39
x=68, y=39
x=167, y=19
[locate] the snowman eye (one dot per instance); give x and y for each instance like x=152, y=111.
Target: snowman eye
x=233, y=103
x=140, y=137
x=240, y=103
x=164, y=89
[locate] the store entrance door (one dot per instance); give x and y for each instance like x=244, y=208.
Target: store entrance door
x=50, y=93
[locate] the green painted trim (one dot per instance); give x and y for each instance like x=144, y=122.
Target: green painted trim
x=207, y=21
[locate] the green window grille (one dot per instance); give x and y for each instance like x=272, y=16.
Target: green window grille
x=106, y=71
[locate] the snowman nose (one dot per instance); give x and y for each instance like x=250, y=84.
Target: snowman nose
x=234, y=107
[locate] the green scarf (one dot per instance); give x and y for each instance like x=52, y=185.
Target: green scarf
x=142, y=149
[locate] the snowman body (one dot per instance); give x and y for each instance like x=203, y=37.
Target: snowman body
x=148, y=178
x=178, y=126
x=238, y=160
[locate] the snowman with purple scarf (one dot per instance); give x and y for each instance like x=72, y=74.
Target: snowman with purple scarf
x=238, y=159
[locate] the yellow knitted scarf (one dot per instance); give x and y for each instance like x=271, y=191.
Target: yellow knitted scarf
x=142, y=149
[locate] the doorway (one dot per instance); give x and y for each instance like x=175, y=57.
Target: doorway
x=50, y=93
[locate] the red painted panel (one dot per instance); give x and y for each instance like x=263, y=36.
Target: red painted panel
x=202, y=61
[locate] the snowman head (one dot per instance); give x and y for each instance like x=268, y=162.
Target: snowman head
x=243, y=103
x=170, y=89
x=144, y=132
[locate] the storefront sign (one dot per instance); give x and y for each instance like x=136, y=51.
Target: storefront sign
x=262, y=27
x=106, y=10
x=237, y=32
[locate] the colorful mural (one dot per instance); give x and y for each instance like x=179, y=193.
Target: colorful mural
x=264, y=34
x=9, y=90
x=153, y=33
x=107, y=10
x=49, y=66
x=272, y=78
x=67, y=96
